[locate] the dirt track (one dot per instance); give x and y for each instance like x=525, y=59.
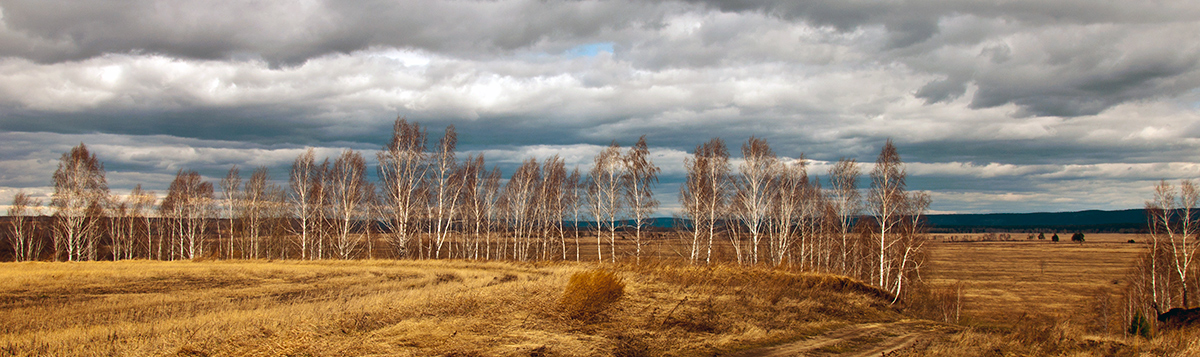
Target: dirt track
x=872, y=339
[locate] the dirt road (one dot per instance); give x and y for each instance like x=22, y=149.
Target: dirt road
x=872, y=339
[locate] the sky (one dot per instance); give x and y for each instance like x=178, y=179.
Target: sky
x=1006, y=106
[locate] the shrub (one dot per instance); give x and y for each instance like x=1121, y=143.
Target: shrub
x=591, y=292
x=1054, y=238
x=1077, y=237
x=629, y=345
x=1139, y=326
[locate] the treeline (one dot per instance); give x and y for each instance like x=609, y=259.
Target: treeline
x=1090, y=221
x=428, y=204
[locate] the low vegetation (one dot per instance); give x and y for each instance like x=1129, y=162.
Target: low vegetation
x=590, y=293
x=418, y=308
x=1040, y=299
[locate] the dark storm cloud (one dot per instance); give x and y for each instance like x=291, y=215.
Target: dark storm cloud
x=262, y=124
x=1069, y=67
x=1073, y=58
x=291, y=32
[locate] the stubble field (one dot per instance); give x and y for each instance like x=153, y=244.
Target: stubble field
x=409, y=308
x=1004, y=280
x=1022, y=297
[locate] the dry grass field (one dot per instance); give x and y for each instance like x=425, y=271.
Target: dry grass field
x=1020, y=298
x=416, y=308
x=1003, y=280
x=1037, y=297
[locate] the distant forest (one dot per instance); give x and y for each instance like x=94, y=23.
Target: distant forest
x=1091, y=221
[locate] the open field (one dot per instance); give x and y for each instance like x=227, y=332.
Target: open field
x=1004, y=280
x=1036, y=297
x=408, y=308
x=1020, y=298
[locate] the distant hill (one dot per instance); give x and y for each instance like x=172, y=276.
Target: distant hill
x=1123, y=221
x=1091, y=221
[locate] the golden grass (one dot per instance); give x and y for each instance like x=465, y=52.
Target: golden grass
x=1034, y=298
x=1021, y=298
x=1004, y=280
x=590, y=293
x=408, y=308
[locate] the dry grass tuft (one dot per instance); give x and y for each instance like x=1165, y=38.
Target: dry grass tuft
x=589, y=293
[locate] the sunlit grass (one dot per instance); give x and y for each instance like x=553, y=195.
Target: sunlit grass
x=406, y=308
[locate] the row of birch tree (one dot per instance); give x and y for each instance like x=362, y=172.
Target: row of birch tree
x=770, y=211
x=428, y=204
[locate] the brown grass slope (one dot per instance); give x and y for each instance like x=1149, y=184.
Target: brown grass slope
x=411, y=308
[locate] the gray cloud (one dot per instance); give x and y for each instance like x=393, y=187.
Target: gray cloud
x=290, y=33
x=996, y=105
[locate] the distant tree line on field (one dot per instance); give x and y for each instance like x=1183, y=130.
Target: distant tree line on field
x=1077, y=237
x=428, y=204
x=1126, y=228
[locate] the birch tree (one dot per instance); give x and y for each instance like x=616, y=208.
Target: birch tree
x=1183, y=249
x=188, y=206
x=1161, y=226
x=705, y=194
x=231, y=186
x=847, y=203
x=142, y=205
x=490, y=195
x=790, y=191
x=255, y=206
x=911, y=241
x=520, y=195
x=480, y=188
x=321, y=216
x=753, y=201
x=121, y=227
x=446, y=188
x=301, y=184
x=886, y=200
x=575, y=190
x=605, y=196
x=553, y=197
x=348, y=197
x=402, y=165
x=691, y=199
x=79, y=190
x=276, y=222
x=23, y=227
x=1174, y=227
x=641, y=176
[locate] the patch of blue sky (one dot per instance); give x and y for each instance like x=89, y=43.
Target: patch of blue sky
x=589, y=50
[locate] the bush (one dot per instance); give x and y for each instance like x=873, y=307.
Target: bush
x=1139, y=326
x=1054, y=238
x=591, y=292
x=1077, y=237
